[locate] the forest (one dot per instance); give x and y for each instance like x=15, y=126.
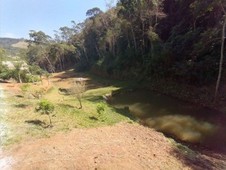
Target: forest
x=138, y=86
x=171, y=39
x=178, y=40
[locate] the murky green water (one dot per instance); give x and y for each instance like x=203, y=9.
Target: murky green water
x=181, y=120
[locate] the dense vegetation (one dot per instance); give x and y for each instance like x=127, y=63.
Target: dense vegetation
x=174, y=39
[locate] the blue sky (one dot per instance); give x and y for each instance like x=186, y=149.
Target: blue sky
x=17, y=17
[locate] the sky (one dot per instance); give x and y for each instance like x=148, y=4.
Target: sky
x=18, y=17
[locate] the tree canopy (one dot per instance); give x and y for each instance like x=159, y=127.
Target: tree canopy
x=172, y=39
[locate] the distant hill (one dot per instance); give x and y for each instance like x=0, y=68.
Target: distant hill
x=12, y=45
x=12, y=42
x=21, y=44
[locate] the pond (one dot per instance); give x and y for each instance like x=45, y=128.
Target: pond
x=183, y=121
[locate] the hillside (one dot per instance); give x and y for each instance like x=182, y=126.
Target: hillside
x=12, y=45
x=21, y=44
x=8, y=42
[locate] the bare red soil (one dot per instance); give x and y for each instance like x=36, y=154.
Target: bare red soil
x=123, y=146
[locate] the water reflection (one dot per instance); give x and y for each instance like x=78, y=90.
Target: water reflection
x=176, y=118
x=183, y=127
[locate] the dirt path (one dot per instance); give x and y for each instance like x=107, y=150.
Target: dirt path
x=4, y=160
x=124, y=146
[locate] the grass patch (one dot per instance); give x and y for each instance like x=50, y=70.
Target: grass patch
x=24, y=123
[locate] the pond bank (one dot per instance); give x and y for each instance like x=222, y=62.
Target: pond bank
x=197, y=95
x=183, y=121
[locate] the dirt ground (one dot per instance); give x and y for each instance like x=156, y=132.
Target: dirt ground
x=123, y=146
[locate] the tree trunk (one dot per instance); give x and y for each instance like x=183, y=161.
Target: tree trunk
x=221, y=60
x=19, y=77
x=98, y=51
x=143, y=41
x=50, y=121
x=41, y=79
x=52, y=67
x=80, y=102
x=87, y=59
x=113, y=45
x=134, y=39
x=156, y=15
x=61, y=65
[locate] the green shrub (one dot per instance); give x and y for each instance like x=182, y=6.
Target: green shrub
x=45, y=107
x=25, y=87
x=100, y=108
x=32, y=78
x=5, y=73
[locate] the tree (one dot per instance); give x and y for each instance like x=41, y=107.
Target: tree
x=5, y=73
x=38, y=50
x=92, y=13
x=66, y=33
x=61, y=55
x=47, y=108
x=222, y=53
x=18, y=72
x=175, y=39
x=2, y=54
x=36, y=70
x=76, y=90
x=38, y=37
x=38, y=54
